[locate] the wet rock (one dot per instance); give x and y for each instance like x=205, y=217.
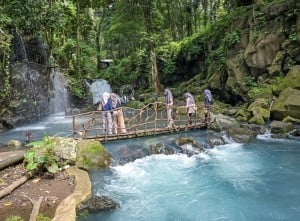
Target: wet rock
x=295, y=133
x=14, y=143
x=189, y=146
x=129, y=154
x=222, y=122
x=259, y=129
x=279, y=127
x=241, y=135
x=97, y=203
x=215, y=140
x=160, y=149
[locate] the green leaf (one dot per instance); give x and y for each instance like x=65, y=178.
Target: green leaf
x=29, y=156
x=35, y=143
x=53, y=168
x=31, y=166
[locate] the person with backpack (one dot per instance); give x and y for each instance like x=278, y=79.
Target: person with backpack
x=207, y=105
x=118, y=116
x=190, y=107
x=107, y=108
x=207, y=98
x=169, y=107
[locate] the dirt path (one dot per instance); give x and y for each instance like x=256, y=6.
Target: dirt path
x=52, y=189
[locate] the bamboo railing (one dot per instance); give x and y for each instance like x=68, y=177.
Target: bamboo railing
x=149, y=120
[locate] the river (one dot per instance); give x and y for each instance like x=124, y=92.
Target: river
x=256, y=181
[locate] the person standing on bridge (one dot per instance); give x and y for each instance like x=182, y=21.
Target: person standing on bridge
x=207, y=105
x=190, y=107
x=118, y=117
x=107, y=108
x=169, y=106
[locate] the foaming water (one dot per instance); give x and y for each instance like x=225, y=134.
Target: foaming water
x=258, y=181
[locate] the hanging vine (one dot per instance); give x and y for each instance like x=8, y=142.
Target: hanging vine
x=5, y=40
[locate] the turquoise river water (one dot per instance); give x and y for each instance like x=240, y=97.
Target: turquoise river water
x=252, y=182
x=257, y=181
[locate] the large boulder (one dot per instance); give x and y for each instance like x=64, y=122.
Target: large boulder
x=65, y=148
x=237, y=73
x=261, y=53
x=292, y=79
x=258, y=129
x=243, y=115
x=86, y=154
x=96, y=204
x=215, y=139
x=222, y=122
x=260, y=111
x=287, y=104
x=160, y=148
x=241, y=134
x=91, y=154
x=189, y=146
x=278, y=127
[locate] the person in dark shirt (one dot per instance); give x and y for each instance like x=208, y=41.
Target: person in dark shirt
x=107, y=107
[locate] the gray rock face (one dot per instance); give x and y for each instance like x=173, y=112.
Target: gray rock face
x=261, y=53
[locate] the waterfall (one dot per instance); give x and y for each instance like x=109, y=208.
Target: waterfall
x=19, y=47
x=97, y=88
x=59, y=99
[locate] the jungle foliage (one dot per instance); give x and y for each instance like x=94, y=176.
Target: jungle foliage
x=151, y=42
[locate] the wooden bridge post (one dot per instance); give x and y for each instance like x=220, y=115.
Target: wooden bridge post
x=155, y=121
x=74, y=126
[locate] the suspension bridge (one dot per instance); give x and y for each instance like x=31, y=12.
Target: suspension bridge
x=148, y=120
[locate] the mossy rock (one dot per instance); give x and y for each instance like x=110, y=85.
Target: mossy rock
x=292, y=80
x=257, y=119
x=91, y=154
x=243, y=115
x=260, y=102
x=279, y=127
x=290, y=119
x=287, y=104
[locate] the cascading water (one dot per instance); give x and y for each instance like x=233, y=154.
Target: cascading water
x=59, y=98
x=19, y=47
x=97, y=88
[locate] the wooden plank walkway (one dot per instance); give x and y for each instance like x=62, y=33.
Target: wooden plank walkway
x=149, y=120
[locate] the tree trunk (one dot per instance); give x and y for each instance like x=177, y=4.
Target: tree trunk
x=98, y=43
x=14, y=158
x=147, y=11
x=154, y=73
x=77, y=37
